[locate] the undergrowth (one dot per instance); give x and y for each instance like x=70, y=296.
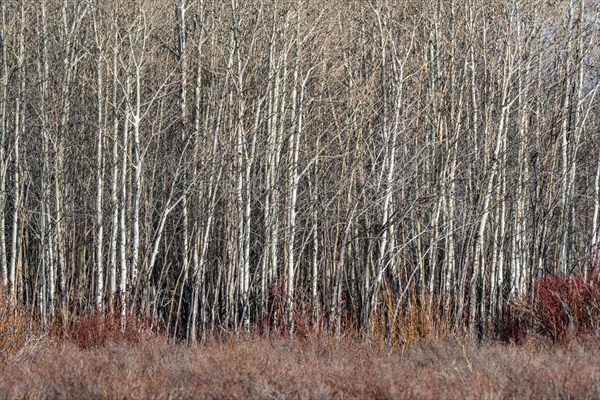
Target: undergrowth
x=94, y=329
x=563, y=307
x=14, y=327
x=84, y=329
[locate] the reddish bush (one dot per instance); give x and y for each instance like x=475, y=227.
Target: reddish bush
x=94, y=330
x=307, y=321
x=511, y=327
x=565, y=306
x=274, y=320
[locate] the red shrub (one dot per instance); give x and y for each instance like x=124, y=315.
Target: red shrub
x=565, y=306
x=308, y=322
x=94, y=330
x=511, y=326
x=274, y=320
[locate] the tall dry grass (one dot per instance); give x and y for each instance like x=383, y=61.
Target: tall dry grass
x=250, y=367
x=549, y=349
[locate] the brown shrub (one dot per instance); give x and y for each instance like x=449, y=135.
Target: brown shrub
x=563, y=308
x=90, y=329
x=254, y=367
x=14, y=327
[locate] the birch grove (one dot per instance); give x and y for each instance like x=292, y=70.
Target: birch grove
x=280, y=165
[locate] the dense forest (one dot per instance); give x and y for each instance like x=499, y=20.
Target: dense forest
x=372, y=165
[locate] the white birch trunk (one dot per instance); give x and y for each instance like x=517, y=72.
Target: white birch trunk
x=594, y=241
x=487, y=194
x=124, y=275
x=564, y=251
x=3, y=160
x=292, y=190
x=137, y=172
x=114, y=193
x=99, y=173
x=46, y=255
x=182, y=39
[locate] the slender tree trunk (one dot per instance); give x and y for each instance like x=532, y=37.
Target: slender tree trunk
x=124, y=275
x=99, y=172
x=487, y=195
x=6, y=281
x=114, y=192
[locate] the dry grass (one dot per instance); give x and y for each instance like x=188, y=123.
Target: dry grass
x=263, y=368
x=89, y=355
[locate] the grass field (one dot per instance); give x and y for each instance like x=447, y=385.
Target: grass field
x=246, y=367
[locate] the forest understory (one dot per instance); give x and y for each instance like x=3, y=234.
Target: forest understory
x=548, y=349
x=254, y=367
